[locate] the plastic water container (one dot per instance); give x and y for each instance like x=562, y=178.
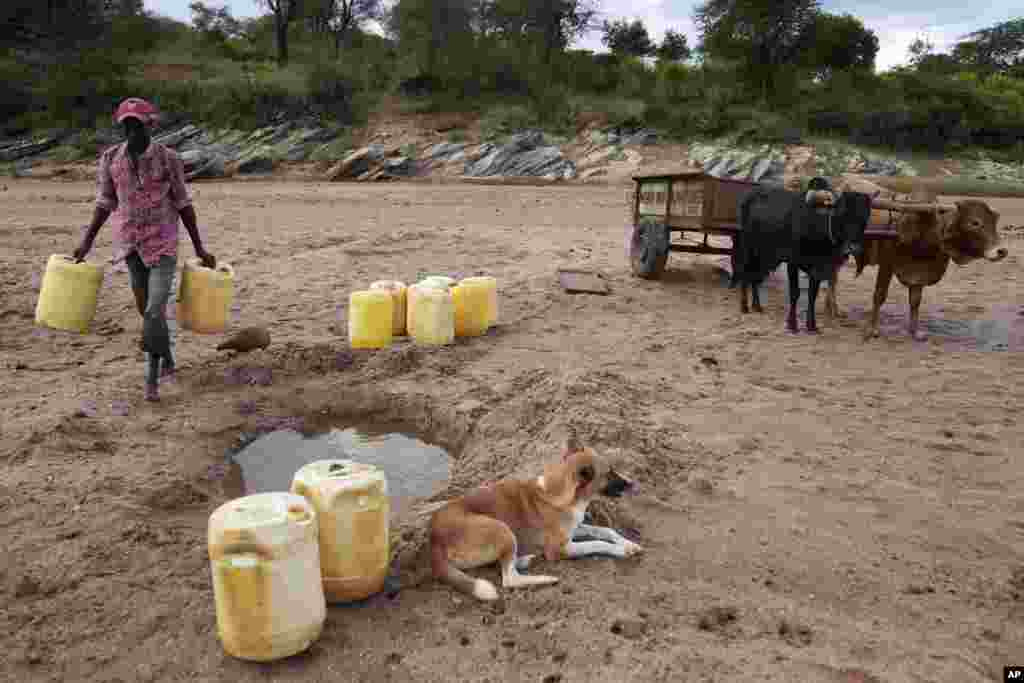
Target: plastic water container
x=432, y=312
x=205, y=296
x=351, y=501
x=471, y=304
x=410, y=300
x=265, y=560
x=370, y=319
x=398, y=296
x=491, y=285
x=69, y=294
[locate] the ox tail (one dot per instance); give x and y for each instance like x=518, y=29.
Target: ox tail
x=734, y=261
x=739, y=245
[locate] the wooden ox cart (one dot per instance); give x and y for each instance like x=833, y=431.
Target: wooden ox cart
x=695, y=202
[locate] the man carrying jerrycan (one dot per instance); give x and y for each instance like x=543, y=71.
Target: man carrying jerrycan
x=142, y=183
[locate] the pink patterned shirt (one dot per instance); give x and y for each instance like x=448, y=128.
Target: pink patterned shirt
x=145, y=204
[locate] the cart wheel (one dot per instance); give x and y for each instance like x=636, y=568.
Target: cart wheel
x=648, y=249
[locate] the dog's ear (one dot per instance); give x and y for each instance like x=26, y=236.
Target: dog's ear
x=572, y=445
x=560, y=484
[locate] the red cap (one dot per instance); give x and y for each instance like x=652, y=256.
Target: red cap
x=137, y=108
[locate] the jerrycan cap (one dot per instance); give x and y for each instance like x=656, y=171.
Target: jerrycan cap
x=388, y=284
x=438, y=281
x=265, y=510
x=340, y=472
x=435, y=292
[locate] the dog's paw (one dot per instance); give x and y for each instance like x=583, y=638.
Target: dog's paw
x=523, y=563
x=632, y=548
x=484, y=590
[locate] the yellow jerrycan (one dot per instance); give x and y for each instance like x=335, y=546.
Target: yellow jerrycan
x=370, y=319
x=412, y=292
x=205, y=296
x=398, y=296
x=265, y=560
x=432, y=312
x=69, y=294
x=351, y=502
x=472, y=302
x=490, y=285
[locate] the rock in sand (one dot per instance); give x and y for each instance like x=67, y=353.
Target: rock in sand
x=246, y=340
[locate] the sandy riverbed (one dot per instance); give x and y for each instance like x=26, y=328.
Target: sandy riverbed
x=813, y=508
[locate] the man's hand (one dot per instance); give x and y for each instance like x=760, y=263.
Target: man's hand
x=206, y=258
x=82, y=250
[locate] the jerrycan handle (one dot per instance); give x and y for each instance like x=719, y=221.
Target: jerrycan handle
x=222, y=268
x=299, y=514
x=228, y=551
x=65, y=258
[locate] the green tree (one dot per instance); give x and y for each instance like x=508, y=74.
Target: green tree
x=627, y=38
x=131, y=8
x=285, y=12
x=344, y=16
x=999, y=48
x=919, y=49
x=835, y=42
x=762, y=36
x=438, y=32
x=674, y=47
x=214, y=23
x=551, y=25
x=921, y=57
x=50, y=26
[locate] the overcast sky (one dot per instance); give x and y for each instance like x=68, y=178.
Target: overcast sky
x=940, y=21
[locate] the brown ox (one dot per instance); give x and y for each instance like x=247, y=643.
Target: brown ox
x=923, y=248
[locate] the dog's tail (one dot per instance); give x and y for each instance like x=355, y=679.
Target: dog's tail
x=481, y=589
x=425, y=509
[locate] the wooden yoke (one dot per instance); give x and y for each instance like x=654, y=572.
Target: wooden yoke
x=822, y=198
x=916, y=207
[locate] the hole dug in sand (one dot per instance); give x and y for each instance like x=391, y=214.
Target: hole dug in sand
x=414, y=468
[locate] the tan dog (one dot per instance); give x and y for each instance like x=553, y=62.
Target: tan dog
x=493, y=523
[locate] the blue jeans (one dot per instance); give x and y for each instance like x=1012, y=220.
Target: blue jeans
x=158, y=283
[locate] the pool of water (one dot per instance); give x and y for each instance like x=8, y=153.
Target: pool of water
x=414, y=469
x=997, y=328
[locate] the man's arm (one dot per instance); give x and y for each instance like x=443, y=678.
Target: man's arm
x=100, y=215
x=188, y=218
x=183, y=202
x=106, y=202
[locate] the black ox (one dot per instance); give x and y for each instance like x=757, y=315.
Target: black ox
x=777, y=225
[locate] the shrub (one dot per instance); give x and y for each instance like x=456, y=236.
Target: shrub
x=616, y=111
x=505, y=119
x=334, y=150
